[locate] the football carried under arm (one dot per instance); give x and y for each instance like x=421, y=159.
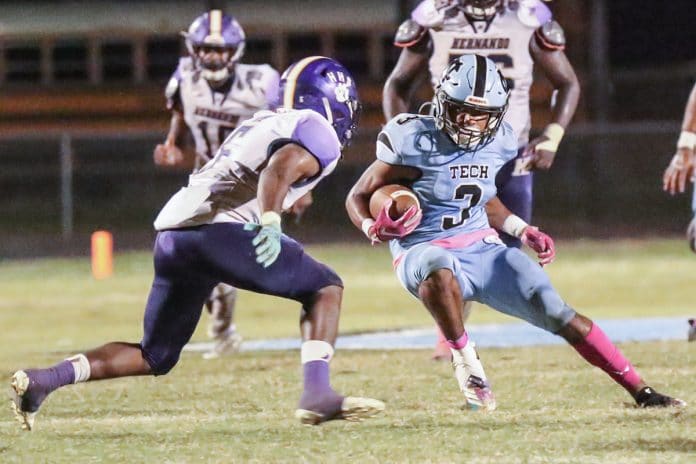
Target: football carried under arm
x=287, y=165
x=382, y=226
x=546, y=48
x=503, y=219
x=396, y=212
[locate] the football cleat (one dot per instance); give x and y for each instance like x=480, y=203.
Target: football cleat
x=24, y=410
x=478, y=394
x=228, y=344
x=472, y=382
x=353, y=409
x=691, y=234
x=691, y=336
x=649, y=398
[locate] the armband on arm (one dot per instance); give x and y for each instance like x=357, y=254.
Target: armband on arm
x=514, y=226
x=550, y=36
x=554, y=132
x=686, y=140
x=409, y=34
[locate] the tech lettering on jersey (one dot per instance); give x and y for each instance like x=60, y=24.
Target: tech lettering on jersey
x=468, y=171
x=454, y=184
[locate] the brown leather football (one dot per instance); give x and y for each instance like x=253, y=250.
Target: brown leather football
x=403, y=198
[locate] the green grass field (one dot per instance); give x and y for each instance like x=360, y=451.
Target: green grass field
x=552, y=408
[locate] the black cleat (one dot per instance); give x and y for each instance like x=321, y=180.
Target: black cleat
x=649, y=398
x=691, y=335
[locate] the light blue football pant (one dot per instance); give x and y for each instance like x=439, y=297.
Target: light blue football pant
x=503, y=278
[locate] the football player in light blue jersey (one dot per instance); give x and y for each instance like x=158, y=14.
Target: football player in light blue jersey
x=453, y=254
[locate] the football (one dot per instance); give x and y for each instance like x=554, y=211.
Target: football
x=403, y=198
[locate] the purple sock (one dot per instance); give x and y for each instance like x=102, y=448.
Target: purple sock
x=44, y=381
x=318, y=395
x=53, y=377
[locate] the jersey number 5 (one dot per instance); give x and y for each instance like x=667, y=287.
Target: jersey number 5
x=471, y=193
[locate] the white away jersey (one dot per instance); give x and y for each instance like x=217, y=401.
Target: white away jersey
x=455, y=184
x=505, y=40
x=213, y=115
x=224, y=190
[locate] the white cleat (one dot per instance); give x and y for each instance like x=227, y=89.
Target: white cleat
x=353, y=408
x=229, y=344
x=20, y=384
x=472, y=379
x=478, y=394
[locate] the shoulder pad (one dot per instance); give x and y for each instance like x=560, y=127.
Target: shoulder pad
x=533, y=13
x=550, y=36
x=409, y=34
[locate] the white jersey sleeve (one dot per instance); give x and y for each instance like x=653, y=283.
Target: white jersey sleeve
x=225, y=189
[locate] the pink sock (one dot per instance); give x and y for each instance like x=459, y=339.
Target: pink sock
x=459, y=343
x=599, y=351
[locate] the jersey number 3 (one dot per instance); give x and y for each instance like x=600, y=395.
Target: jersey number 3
x=471, y=194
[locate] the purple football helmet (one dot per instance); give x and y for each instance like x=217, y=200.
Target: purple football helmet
x=216, y=42
x=325, y=86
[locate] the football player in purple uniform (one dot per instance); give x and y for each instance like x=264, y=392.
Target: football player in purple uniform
x=517, y=36
x=209, y=94
x=682, y=168
x=225, y=226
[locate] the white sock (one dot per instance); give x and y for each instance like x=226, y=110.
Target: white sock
x=80, y=365
x=469, y=357
x=316, y=350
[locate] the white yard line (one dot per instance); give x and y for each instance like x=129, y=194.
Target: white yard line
x=485, y=335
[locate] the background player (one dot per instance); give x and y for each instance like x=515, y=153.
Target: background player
x=453, y=255
x=516, y=39
x=226, y=226
x=209, y=94
x=682, y=168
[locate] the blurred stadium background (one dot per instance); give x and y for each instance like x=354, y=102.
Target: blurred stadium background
x=82, y=106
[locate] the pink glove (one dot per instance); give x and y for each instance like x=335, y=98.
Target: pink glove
x=385, y=228
x=541, y=243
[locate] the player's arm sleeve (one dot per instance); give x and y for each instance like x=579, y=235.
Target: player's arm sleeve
x=172, y=91
x=550, y=36
x=317, y=136
x=271, y=87
x=387, y=144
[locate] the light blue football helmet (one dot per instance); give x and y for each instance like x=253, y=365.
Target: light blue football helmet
x=471, y=84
